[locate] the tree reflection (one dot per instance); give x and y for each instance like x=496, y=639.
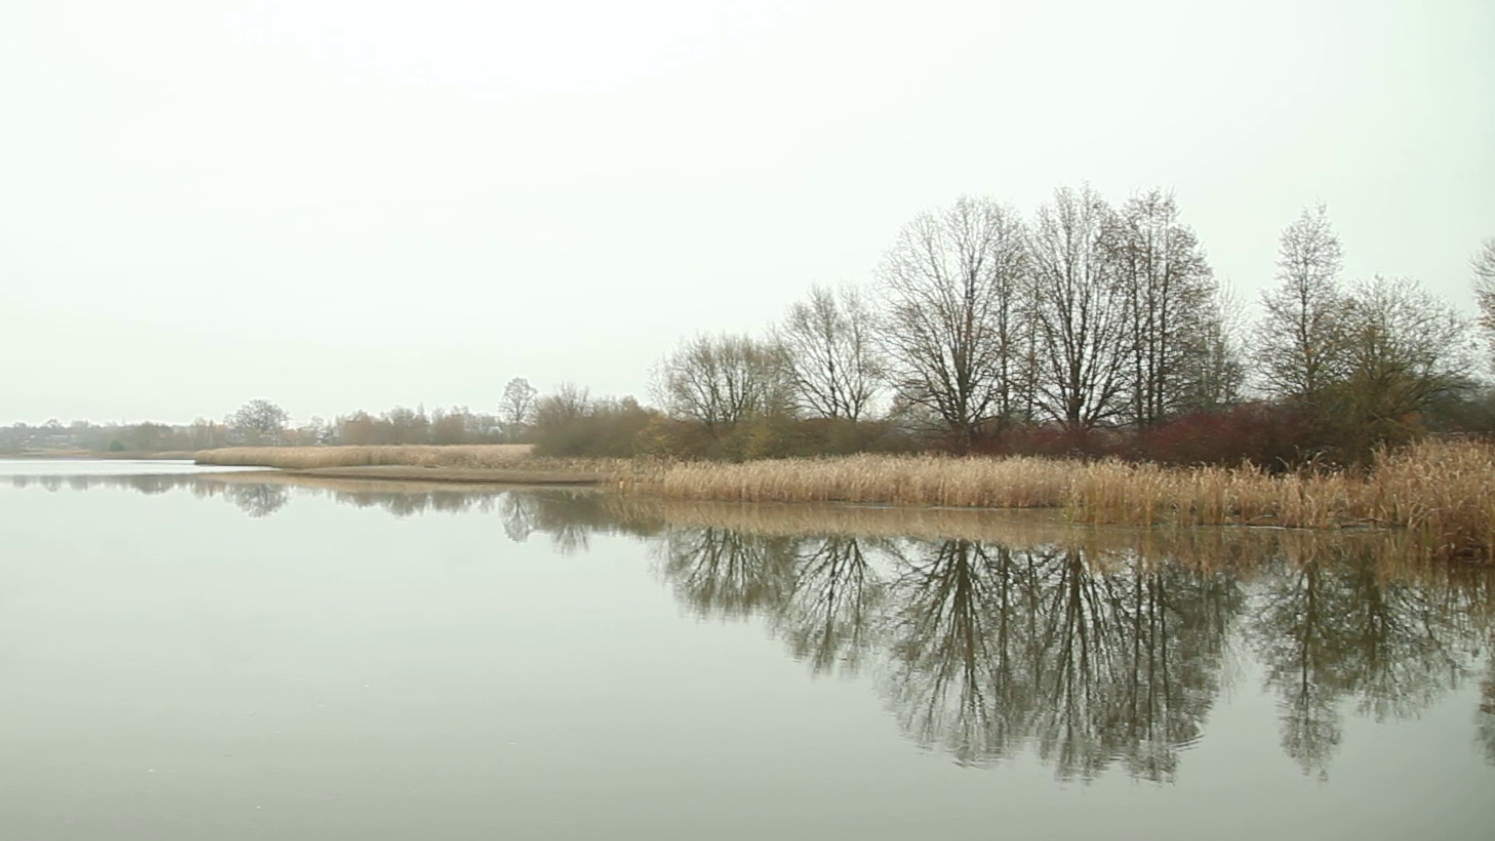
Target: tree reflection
x=1331, y=629
x=258, y=500
x=1093, y=661
x=1484, y=714
x=569, y=517
x=1174, y=628
x=962, y=647
x=727, y=573
x=1000, y=646
x=829, y=614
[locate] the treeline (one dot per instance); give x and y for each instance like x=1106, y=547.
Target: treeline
x=262, y=422
x=85, y=436
x=1086, y=328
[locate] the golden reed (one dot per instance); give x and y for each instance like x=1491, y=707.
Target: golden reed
x=1443, y=491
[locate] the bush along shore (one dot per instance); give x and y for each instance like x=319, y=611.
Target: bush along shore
x=1443, y=492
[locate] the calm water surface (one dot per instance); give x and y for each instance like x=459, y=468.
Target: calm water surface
x=191, y=656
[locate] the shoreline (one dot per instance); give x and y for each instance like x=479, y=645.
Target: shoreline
x=451, y=475
x=1441, y=491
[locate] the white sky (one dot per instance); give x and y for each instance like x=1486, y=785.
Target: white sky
x=342, y=205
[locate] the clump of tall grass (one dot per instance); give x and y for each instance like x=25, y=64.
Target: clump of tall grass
x=1444, y=491
x=309, y=458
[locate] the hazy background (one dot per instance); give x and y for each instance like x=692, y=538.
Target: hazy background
x=341, y=205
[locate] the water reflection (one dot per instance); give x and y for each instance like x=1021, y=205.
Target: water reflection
x=829, y=617
x=1093, y=659
x=997, y=647
x=1090, y=649
x=1485, y=717
x=258, y=500
x=1330, y=629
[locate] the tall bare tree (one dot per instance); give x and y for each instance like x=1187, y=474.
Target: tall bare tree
x=1483, y=264
x=954, y=284
x=1212, y=371
x=834, y=368
x=1301, y=338
x=721, y=381
x=516, y=408
x=1169, y=289
x=1081, y=309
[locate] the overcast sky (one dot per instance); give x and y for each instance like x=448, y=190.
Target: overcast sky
x=341, y=205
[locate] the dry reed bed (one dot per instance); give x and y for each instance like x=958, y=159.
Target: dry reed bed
x=310, y=458
x=1442, y=491
x=891, y=480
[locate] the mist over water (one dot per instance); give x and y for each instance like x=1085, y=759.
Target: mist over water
x=373, y=660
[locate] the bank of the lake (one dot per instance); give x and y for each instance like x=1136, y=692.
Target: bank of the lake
x=1441, y=491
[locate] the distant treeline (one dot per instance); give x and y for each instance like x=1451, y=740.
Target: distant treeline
x=1086, y=328
x=261, y=422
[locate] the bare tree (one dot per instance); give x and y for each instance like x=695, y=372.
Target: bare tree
x=260, y=420
x=1483, y=264
x=1169, y=289
x=567, y=403
x=1081, y=311
x=1300, y=343
x=516, y=408
x=1403, y=350
x=721, y=381
x=954, y=285
x=833, y=366
x=1212, y=371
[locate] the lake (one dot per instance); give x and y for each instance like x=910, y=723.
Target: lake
x=227, y=656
